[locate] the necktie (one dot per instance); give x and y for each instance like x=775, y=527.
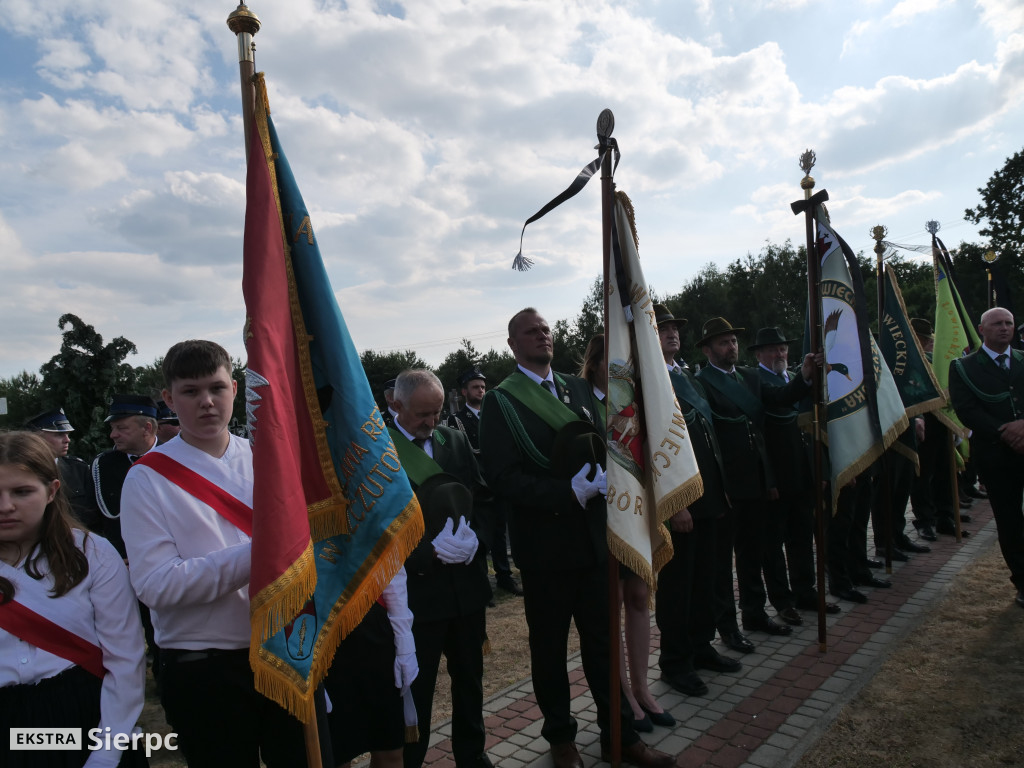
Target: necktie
x=549, y=386
x=1001, y=359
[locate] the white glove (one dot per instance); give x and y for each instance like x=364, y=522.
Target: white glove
x=406, y=670
x=446, y=546
x=585, y=489
x=467, y=539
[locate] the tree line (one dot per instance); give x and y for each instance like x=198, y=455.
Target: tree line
x=756, y=291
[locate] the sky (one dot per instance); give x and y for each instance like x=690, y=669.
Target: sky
x=423, y=134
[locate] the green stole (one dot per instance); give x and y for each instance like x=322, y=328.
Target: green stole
x=539, y=401
x=735, y=392
x=417, y=464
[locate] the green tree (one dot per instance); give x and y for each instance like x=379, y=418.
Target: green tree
x=83, y=376
x=24, y=398
x=1002, y=207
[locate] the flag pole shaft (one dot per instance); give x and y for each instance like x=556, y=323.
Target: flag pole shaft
x=878, y=233
x=604, y=129
x=818, y=388
x=245, y=24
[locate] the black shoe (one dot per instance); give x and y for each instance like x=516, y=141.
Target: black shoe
x=791, y=617
x=873, y=563
x=766, y=624
x=509, y=584
x=927, y=533
x=664, y=719
x=687, y=683
x=974, y=493
x=949, y=530
x=709, y=658
x=643, y=726
x=871, y=581
x=811, y=604
x=964, y=517
x=850, y=594
x=737, y=641
x=897, y=556
x=908, y=546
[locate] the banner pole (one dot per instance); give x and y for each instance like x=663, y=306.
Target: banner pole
x=878, y=235
x=605, y=126
x=807, y=160
x=245, y=24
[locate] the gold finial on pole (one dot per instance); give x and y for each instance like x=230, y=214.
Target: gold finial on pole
x=807, y=160
x=245, y=24
x=932, y=226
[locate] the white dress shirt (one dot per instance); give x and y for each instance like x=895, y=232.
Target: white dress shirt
x=189, y=564
x=100, y=609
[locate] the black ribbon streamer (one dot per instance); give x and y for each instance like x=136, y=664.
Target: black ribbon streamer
x=522, y=263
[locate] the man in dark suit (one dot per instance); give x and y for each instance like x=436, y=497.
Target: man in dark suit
x=790, y=511
x=987, y=390
x=686, y=604
x=557, y=523
x=493, y=519
x=738, y=398
x=447, y=572
x=75, y=478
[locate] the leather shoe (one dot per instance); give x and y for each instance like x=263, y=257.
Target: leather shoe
x=1019, y=599
x=897, y=556
x=664, y=719
x=849, y=594
x=643, y=726
x=641, y=755
x=964, y=517
x=908, y=546
x=709, y=658
x=950, y=530
x=811, y=604
x=766, y=624
x=927, y=533
x=790, y=616
x=871, y=581
x=509, y=584
x=566, y=755
x=737, y=641
x=975, y=493
x=688, y=683
x=873, y=563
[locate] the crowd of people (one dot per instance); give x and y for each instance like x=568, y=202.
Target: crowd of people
x=147, y=549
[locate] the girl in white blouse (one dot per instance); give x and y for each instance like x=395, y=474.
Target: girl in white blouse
x=72, y=653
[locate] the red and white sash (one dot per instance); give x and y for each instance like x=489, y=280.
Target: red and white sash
x=235, y=511
x=24, y=623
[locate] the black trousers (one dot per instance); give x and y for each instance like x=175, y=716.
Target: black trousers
x=847, y=535
x=789, y=577
x=461, y=641
x=932, y=493
x=494, y=532
x=900, y=480
x=220, y=719
x=722, y=592
x=553, y=598
x=751, y=543
x=1004, y=481
x=684, y=602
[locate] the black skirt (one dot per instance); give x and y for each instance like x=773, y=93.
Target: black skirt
x=366, y=714
x=68, y=700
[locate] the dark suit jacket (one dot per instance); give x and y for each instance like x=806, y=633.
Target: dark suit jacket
x=468, y=423
x=748, y=473
x=787, y=446
x=705, y=448
x=986, y=397
x=109, y=470
x=438, y=590
x=76, y=480
x=548, y=528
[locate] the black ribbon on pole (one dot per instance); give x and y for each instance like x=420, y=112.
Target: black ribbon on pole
x=522, y=263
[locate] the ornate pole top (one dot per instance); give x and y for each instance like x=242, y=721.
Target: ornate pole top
x=989, y=257
x=243, y=20
x=932, y=226
x=605, y=124
x=807, y=160
x=879, y=232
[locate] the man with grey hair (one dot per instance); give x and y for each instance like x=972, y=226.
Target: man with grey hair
x=448, y=586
